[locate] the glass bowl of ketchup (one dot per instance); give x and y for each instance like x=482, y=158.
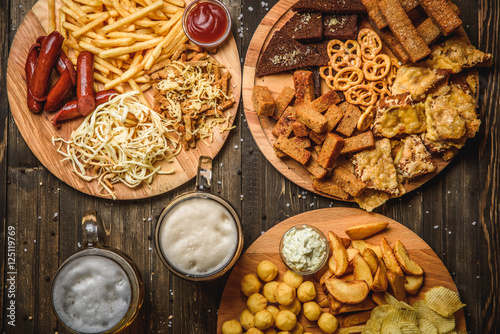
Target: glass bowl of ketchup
x=206, y=23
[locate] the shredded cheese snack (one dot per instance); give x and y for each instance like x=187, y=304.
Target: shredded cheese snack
x=121, y=141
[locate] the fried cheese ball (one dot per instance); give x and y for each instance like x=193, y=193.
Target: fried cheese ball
x=263, y=319
x=250, y=284
x=247, y=319
x=256, y=303
x=273, y=309
x=312, y=311
x=285, y=320
x=284, y=332
x=294, y=307
x=270, y=331
x=232, y=327
x=298, y=329
x=269, y=290
x=306, y=291
x=267, y=271
x=293, y=279
x=328, y=323
x=254, y=330
x=285, y=294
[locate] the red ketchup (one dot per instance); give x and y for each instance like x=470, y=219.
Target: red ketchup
x=206, y=22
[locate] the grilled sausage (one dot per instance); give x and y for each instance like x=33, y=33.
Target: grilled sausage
x=47, y=58
x=29, y=68
x=63, y=62
x=85, y=83
x=59, y=91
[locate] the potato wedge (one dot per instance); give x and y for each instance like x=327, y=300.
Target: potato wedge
x=380, y=282
x=348, y=277
x=378, y=298
x=371, y=259
x=362, y=270
x=326, y=275
x=366, y=230
x=356, y=319
x=346, y=242
x=338, y=262
x=333, y=303
x=409, y=266
x=351, y=292
x=365, y=305
x=351, y=252
x=413, y=284
x=361, y=245
x=389, y=258
x=397, y=285
x=322, y=300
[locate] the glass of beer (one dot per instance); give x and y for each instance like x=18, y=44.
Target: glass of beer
x=199, y=235
x=97, y=290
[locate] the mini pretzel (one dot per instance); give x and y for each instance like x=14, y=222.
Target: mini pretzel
x=348, y=77
x=325, y=72
x=342, y=59
x=377, y=68
x=351, y=46
x=370, y=43
x=366, y=119
x=330, y=82
x=361, y=95
x=334, y=46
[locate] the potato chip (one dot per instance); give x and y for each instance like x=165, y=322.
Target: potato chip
x=426, y=326
x=443, y=324
x=409, y=328
x=391, y=300
x=390, y=328
x=443, y=301
x=351, y=330
x=378, y=314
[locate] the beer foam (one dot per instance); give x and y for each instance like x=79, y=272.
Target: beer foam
x=198, y=236
x=91, y=294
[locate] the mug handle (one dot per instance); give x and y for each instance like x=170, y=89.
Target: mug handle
x=204, y=175
x=92, y=229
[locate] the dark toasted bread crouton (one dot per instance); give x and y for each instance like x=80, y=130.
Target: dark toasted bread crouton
x=330, y=150
x=311, y=118
x=284, y=125
x=341, y=27
x=293, y=150
x=303, y=83
x=349, y=121
x=429, y=31
x=329, y=187
x=282, y=101
x=330, y=6
x=314, y=167
x=304, y=27
x=262, y=100
x=443, y=15
x=358, y=143
x=345, y=179
x=324, y=102
x=333, y=116
x=300, y=130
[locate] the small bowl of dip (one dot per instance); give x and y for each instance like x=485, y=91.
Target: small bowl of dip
x=304, y=249
x=206, y=23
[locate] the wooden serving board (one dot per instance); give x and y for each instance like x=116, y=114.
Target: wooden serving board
x=261, y=127
x=38, y=131
x=266, y=247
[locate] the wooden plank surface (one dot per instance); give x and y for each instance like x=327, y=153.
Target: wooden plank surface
x=463, y=200
x=38, y=131
x=266, y=247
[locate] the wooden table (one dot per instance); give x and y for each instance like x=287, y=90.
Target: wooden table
x=457, y=213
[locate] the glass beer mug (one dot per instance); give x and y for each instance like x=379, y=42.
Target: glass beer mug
x=98, y=289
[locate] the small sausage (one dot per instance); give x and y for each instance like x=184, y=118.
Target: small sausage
x=29, y=68
x=70, y=109
x=59, y=91
x=47, y=58
x=63, y=62
x=85, y=83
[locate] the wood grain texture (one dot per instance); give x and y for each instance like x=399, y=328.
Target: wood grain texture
x=337, y=220
x=463, y=200
x=38, y=131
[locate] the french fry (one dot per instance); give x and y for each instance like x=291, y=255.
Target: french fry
x=178, y=3
x=135, y=36
x=116, y=52
x=52, y=15
x=129, y=19
x=142, y=98
x=106, y=43
x=93, y=3
x=92, y=24
x=76, y=8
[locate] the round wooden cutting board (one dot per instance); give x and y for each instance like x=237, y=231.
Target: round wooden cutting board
x=266, y=247
x=261, y=127
x=38, y=131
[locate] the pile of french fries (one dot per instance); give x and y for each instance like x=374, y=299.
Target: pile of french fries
x=126, y=37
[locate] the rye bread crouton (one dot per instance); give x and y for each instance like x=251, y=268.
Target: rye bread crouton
x=284, y=125
x=299, y=141
x=324, y=102
x=293, y=150
x=315, y=168
x=333, y=116
x=310, y=118
x=329, y=187
x=330, y=150
x=349, y=121
x=262, y=100
x=345, y=179
x=283, y=101
x=443, y=15
x=358, y=143
x=300, y=130
x=303, y=83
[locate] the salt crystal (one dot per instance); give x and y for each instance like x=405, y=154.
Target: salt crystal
x=235, y=147
x=436, y=227
x=287, y=205
x=474, y=223
x=250, y=9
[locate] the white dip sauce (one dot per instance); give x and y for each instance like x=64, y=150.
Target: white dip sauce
x=198, y=236
x=91, y=294
x=303, y=249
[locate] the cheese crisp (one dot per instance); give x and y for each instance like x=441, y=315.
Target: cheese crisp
x=376, y=167
x=414, y=160
x=399, y=119
x=417, y=80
